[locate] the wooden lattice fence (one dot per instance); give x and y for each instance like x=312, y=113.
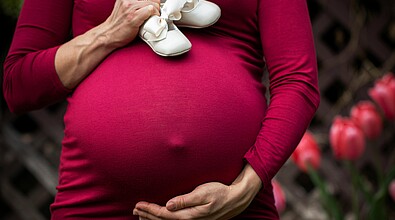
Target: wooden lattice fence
x=354, y=48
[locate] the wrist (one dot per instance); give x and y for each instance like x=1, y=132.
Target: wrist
x=247, y=184
x=248, y=178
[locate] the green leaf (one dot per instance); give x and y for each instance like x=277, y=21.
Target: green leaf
x=329, y=202
x=11, y=7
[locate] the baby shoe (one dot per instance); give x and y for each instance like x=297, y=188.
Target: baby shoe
x=198, y=14
x=164, y=37
x=171, y=9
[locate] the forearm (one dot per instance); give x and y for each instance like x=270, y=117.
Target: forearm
x=294, y=95
x=76, y=59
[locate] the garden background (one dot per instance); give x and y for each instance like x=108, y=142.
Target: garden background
x=355, y=41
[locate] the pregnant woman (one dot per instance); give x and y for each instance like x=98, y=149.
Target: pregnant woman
x=151, y=137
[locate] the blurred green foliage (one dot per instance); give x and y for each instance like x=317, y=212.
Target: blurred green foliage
x=11, y=7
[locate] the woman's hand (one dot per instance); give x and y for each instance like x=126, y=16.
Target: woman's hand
x=122, y=26
x=77, y=58
x=208, y=201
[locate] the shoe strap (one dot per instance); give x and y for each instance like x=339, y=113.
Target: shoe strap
x=171, y=9
x=154, y=29
x=190, y=5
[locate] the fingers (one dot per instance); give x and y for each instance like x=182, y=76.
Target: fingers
x=150, y=211
x=136, y=10
x=194, y=198
x=146, y=216
x=126, y=18
x=207, y=201
x=156, y=6
x=153, y=1
x=144, y=13
x=144, y=3
x=143, y=6
x=153, y=211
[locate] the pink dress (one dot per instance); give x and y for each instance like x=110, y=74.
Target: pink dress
x=145, y=127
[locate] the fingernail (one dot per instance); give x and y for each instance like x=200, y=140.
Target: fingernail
x=135, y=212
x=171, y=206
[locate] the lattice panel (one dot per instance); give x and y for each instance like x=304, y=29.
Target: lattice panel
x=351, y=54
x=30, y=160
x=347, y=48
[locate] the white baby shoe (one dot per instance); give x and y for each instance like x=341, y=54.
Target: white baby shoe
x=164, y=38
x=198, y=14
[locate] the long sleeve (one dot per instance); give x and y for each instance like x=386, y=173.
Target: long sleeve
x=30, y=79
x=289, y=52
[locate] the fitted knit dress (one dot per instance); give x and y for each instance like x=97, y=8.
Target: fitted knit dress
x=146, y=127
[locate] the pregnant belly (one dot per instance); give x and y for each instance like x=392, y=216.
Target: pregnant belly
x=159, y=131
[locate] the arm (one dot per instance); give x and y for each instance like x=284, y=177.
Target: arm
x=30, y=79
x=42, y=68
x=288, y=48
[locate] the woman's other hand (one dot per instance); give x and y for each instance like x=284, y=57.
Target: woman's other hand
x=122, y=26
x=208, y=201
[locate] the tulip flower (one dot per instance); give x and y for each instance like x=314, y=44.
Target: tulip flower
x=391, y=189
x=306, y=152
x=279, y=196
x=383, y=93
x=366, y=116
x=346, y=138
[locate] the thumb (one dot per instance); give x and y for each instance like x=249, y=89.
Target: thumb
x=194, y=198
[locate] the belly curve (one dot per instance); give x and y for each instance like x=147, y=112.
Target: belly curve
x=139, y=129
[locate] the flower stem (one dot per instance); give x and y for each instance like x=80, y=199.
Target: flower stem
x=329, y=201
x=378, y=208
x=355, y=177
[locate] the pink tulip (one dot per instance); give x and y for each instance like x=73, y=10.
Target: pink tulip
x=279, y=196
x=346, y=138
x=391, y=189
x=306, y=152
x=365, y=115
x=383, y=93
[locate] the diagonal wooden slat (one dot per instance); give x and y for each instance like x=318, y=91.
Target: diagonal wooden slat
x=25, y=209
x=33, y=161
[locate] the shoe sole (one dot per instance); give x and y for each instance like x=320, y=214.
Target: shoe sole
x=196, y=27
x=164, y=54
